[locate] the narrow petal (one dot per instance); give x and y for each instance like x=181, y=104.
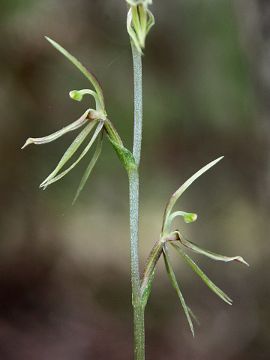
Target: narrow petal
x=71, y=127
x=197, y=249
x=84, y=152
x=194, y=317
x=90, y=76
x=175, y=285
x=203, y=276
x=70, y=151
x=183, y=188
x=89, y=168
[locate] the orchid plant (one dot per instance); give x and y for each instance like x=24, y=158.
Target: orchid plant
x=94, y=126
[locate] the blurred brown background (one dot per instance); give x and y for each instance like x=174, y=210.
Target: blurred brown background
x=64, y=271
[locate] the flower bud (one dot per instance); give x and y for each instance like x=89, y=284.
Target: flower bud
x=139, y=22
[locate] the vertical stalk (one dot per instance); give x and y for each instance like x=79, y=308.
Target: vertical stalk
x=134, y=225
x=138, y=308
x=138, y=104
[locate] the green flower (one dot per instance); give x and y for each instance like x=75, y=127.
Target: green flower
x=139, y=22
x=94, y=124
x=177, y=241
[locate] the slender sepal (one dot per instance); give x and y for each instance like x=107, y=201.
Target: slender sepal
x=197, y=249
x=82, y=69
x=193, y=316
x=52, y=137
x=70, y=151
x=175, y=285
x=84, y=152
x=183, y=188
x=203, y=276
x=89, y=168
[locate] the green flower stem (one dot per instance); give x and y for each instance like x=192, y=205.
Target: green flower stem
x=138, y=104
x=139, y=348
x=138, y=308
x=134, y=225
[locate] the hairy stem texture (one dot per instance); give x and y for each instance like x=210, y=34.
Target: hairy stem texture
x=138, y=104
x=134, y=227
x=138, y=308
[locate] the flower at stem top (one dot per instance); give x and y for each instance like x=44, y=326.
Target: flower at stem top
x=139, y=22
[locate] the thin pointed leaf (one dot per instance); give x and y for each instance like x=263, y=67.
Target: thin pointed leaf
x=184, y=187
x=175, y=285
x=89, y=169
x=82, y=69
x=203, y=276
x=197, y=249
x=71, y=127
x=70, y=151
x=84, y=152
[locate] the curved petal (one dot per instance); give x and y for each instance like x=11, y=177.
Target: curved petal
x=71, y=127
x=84, y=152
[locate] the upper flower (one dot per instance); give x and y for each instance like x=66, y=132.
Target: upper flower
x=93, y=120
x=139, y=22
